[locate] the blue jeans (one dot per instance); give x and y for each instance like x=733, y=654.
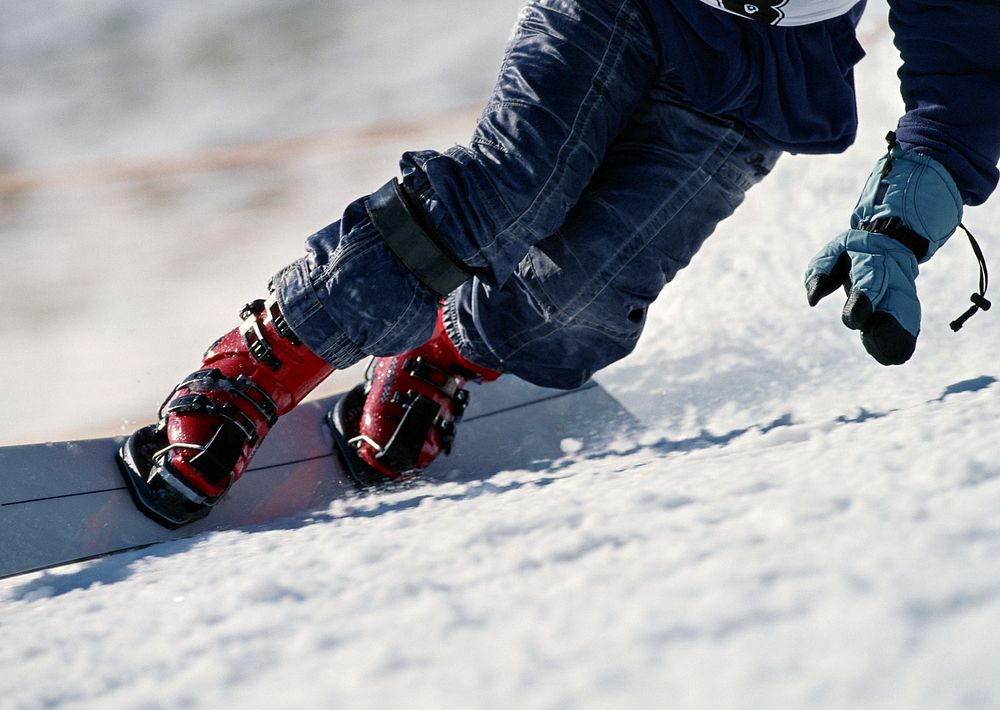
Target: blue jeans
x=588, y=183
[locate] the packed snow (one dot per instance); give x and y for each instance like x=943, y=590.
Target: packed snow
x=796, y=526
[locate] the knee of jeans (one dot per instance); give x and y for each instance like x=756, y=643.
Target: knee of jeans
x=352, y=296
x=564, y=349
x=604, y=306
x=568, y=357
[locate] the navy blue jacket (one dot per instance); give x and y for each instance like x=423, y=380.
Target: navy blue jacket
x=794, y=86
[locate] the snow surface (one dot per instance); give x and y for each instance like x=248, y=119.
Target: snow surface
x=799, y=526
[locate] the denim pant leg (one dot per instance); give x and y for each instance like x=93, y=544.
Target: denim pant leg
x=573, y=73
x=578, y=300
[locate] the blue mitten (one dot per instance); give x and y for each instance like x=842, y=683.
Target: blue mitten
x=909, y=207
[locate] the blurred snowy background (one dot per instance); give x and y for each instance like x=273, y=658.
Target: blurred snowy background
x=160, y=161
x=799, y=527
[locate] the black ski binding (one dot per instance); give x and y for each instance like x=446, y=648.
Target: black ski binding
x=156, y=498
x=344, y=420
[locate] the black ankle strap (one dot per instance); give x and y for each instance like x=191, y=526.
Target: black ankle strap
x=426, y=257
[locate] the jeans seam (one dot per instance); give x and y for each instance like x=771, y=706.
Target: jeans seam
x=342, y=352
x=613, y=56
x=409, y=306
x=358, y=248
x=659, y=220
x=474, y=350
x=311, y=306
x=495, y=199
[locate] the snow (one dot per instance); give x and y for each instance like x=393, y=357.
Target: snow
x=797, y=527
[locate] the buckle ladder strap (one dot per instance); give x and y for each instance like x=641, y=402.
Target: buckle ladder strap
x=212, y=380
x=201, y=404
x=253, y=393
x=421, y=252
x=433, y=375
x=217, y=461
x=403, y=449
x=257, y=344
x=278, y=320
x=446, y=382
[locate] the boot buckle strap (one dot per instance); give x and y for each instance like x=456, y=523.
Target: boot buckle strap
x=212, y=380
x=260, y=349
x=403, y=449
x=449, y=384
x=216, y=459
x=200, y=404
x=279, y=321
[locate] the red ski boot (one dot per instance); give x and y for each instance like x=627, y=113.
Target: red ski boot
x=213, y=422
x=405, y=413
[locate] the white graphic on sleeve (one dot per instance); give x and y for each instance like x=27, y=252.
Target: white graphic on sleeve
x=785, y=12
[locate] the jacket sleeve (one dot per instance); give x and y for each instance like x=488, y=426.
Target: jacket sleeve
x=950, y=82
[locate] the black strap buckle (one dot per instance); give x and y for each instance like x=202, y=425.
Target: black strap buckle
x=253, y=332
x=279, y=322
x=439, y=378
x=201, y=404
x=236, y=429
x=260, y=349
x=212, y=380
x=403, y=449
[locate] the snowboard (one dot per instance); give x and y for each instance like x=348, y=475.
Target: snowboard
x=67, y=501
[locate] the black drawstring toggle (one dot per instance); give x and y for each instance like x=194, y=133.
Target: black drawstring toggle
x=979, y=301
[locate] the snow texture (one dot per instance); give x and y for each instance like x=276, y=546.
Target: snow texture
x=798, y=527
